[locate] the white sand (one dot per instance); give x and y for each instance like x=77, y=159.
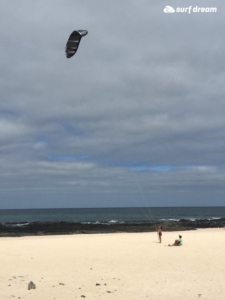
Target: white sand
x=128, y=265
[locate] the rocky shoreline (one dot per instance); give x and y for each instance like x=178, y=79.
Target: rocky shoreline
x=60, y=228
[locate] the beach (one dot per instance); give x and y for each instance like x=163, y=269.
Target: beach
x=114, y=266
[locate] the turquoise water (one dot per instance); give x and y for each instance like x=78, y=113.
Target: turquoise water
x=106, y=215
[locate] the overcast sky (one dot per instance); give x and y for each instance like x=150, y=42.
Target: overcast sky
x=135, y=118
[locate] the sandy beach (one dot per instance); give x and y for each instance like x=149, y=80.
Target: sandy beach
x=114, y=266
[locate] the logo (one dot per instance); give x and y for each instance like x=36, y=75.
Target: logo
x=190, y=9
x=169, y=9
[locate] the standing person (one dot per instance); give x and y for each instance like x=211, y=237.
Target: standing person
x=159, y=230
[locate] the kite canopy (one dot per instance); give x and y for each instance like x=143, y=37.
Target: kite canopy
x=74, y=41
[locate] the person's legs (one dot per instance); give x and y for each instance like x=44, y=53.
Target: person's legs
x=176, y=243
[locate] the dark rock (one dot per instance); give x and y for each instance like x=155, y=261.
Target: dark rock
x=59, y=228
x=31, y=285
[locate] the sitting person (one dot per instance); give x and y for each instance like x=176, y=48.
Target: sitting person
x=177, y=242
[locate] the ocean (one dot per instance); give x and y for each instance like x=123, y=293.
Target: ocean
x=131, y=215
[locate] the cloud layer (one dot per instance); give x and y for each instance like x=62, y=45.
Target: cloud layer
x=135, y=118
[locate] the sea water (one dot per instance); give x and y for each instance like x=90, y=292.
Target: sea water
x=130, y=215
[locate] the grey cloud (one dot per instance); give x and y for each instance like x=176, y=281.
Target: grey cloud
x=144, y=89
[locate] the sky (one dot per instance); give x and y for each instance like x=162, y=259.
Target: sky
x=135, y=118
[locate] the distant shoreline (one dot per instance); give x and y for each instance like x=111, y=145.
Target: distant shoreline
x=62, y=228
